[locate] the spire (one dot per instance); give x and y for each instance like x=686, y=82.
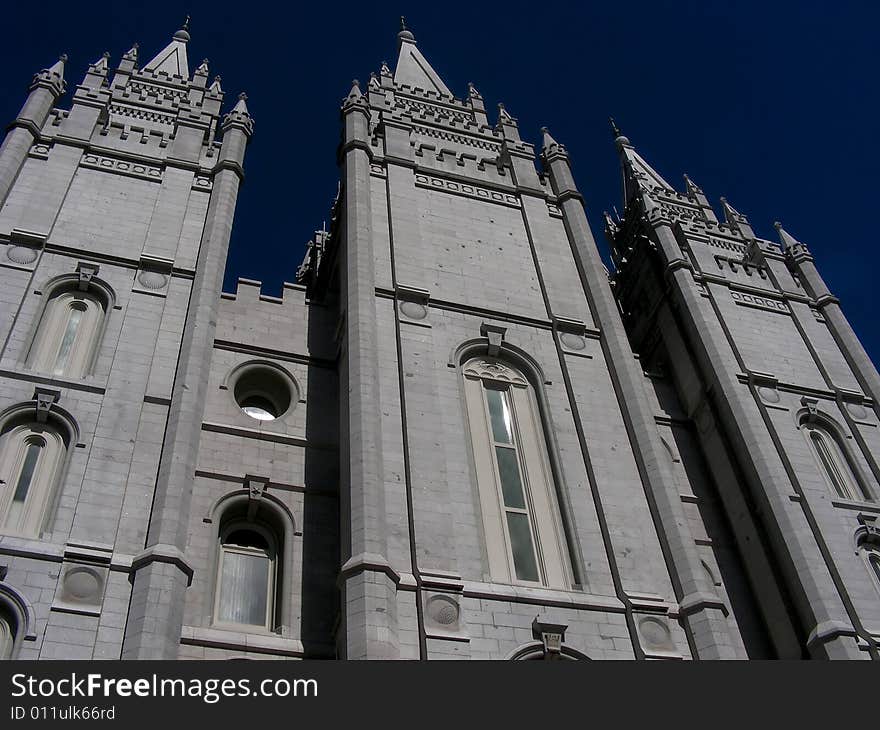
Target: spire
x=503, y=114
x=472, y=91
x=548, y=144
x=96, y=76
x=57, y=68
x=355, y=93
x=239, y=117
x=736, y=220
x=132, y=53
x=52, y=77
x=638, y=175
x=788, y=242
x=172, y=60
x=405, y=34
x=215, y=87
x=619, y=138
x=240, y=105
x=413, y=68
x=692, y=188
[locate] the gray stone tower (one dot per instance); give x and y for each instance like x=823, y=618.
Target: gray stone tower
x=455, y=436
x=114, y=225
x=753, y=358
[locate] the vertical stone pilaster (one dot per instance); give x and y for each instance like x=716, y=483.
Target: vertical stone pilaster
x=702, y=611
x=46, y=88
x=368, y=582
x=156, y=611
x=853, y=351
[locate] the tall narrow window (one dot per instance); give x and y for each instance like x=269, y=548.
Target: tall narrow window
x=31, y=457
x=524, y=540
x=67, y=335
x=7, y=635
x=874, y=563
x=246, y=580
x=833, y=463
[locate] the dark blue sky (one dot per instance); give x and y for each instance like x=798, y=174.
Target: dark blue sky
x=772, y=104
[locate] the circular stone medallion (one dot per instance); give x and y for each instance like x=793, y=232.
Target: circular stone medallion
x=21, y=254
x=413, y=310
x=152, y=279
x=82, y=584
x=572, y=341
x=442, y=610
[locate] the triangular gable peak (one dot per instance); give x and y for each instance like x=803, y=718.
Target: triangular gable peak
x=442, y=122
x=413, y=69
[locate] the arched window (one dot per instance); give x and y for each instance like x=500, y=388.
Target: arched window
x=833, y=462
x=247, y=576
x=7, y=634
x=68, y=332
x=31, y=459
x=524, y=539
x=874, y=565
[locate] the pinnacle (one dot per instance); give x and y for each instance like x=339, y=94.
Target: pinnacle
x=548, y=142
x=405, y=34
x=240, y=105
x=785, y=238
x=57, y=68
x=619, y=137
x=183, y=34
x=355, y=92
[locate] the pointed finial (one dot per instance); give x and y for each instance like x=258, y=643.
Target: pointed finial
x=355, y=92
x=786, y=239
x=240, y=106
x=692, y=187
x=619, y=136
x=215, y=86
x=374, y=80
x=132, y=53
x=183, y=34
x=472, y=91
x=548, y=143
x=202, y=70
x=57, y=68
x=405, y=34
x=503, y=113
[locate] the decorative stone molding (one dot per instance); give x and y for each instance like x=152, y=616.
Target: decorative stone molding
x=412, y=302
x=122, y=167
x=83, y=578
x=493, y=370
x=86, y=272
x=154, y=275
x=757, y=302
x=466, y=189
x=256, y=487
x=655, y=637
x=551, y=636
x=495, y=334
x=45, y=398
x=163, y=554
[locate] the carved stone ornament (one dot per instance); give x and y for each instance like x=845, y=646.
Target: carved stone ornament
x=493, y=370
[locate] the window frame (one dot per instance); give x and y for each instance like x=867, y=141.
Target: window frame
x=836, y=463
x=273, y=554
x=549, y=544
x=61, y=300
x=15, y=439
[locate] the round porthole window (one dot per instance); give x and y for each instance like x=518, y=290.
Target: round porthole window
x=264, y=392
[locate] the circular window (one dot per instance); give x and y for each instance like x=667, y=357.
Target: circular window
x=264, y=392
